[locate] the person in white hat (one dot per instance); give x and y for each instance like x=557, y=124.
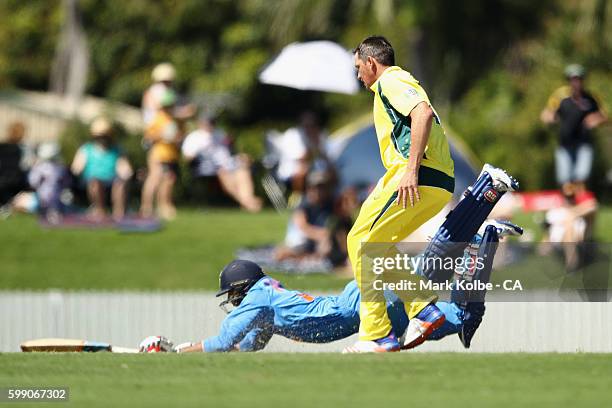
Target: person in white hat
x=163, y=77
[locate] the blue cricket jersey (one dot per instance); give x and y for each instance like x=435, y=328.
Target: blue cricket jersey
x=270, y=309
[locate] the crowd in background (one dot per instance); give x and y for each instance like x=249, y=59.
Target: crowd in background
x=173, y=132
x=176, y=130
x=206, y=149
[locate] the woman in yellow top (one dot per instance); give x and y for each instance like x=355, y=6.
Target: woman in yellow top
x=164, y=134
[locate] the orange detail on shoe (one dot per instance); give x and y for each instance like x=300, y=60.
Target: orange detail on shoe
x=429, y=328
x=386, y=350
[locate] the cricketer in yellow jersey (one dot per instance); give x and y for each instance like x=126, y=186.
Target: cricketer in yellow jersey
x=418, y=183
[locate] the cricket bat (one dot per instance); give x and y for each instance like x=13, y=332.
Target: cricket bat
x=72, y=345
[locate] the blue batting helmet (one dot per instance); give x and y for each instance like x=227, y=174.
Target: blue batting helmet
x=237, y=278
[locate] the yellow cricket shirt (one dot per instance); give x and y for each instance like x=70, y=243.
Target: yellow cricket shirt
x=396, y=93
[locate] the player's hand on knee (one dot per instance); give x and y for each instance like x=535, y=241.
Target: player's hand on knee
x=408, y=189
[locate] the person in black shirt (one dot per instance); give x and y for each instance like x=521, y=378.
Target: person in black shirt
x=308, y=230
x=577, y=112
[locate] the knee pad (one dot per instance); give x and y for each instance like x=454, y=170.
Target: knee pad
x=441, y=246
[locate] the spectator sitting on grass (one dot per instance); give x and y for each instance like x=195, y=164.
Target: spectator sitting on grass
x=103, y=168
x=307, y=232
x=301, y=149
x=209, y=155
x=15, y=135
x=16, y=158
x=346, y=208
x=49, y=177
x=571, y=225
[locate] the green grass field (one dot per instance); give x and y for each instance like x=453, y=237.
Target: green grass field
x=319, y=380
x=186, y=255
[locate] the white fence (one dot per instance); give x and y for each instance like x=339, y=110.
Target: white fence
x=124, y=318
x=45, y=114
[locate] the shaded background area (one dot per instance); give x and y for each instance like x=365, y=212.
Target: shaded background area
x=489, y=66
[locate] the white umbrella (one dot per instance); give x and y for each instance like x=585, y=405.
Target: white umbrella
x=316, y=65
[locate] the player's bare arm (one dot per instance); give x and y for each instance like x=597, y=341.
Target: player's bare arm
x=421, y=118
x=78, y=163
x=548, y=116
x=594, y=120
x=196, y=348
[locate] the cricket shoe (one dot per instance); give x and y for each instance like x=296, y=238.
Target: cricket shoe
x=472, y=318
x=504, y=228
x=421, y=326
x=387, y=344
x=501, y=180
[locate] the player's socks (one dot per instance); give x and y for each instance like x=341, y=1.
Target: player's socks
x=421, y=326
x=464, y=221
x=386, y=344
